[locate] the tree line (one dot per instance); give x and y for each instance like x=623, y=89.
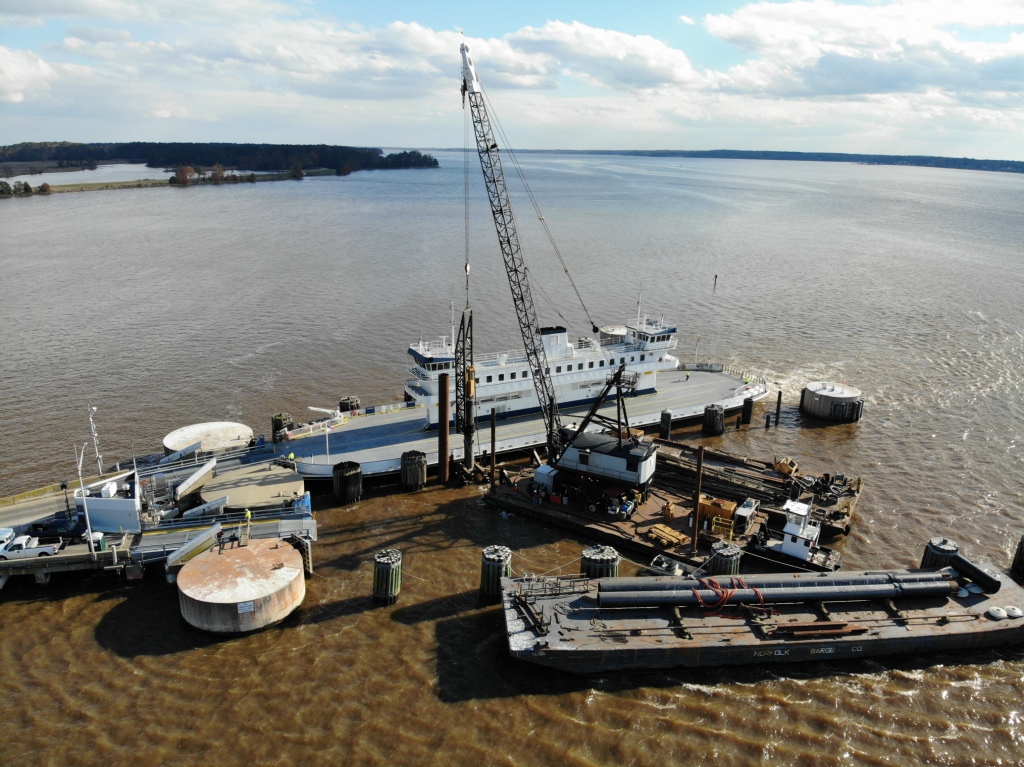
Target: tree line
x=923, y=161
x=242, y=157
x=22, y=189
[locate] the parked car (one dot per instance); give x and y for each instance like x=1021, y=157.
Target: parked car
x=60, y=529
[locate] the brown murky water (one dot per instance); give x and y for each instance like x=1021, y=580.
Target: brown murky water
x=166, y=307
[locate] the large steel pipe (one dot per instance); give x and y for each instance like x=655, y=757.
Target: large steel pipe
x=989, y=582
x=823, y=593
x=800, y=580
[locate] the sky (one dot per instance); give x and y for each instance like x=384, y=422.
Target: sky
x=933, y=77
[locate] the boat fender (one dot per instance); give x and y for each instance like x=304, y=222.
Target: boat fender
x=1014, y=612
x=996, y=613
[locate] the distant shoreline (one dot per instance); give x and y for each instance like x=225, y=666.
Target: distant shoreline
x=917, y=161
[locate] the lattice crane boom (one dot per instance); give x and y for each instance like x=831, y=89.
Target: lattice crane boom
x=515, y=265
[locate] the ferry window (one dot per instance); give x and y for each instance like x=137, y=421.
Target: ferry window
x=501, y=376
x=590, y=365
x=584, y=459
x=513, y=376
x=489, y=378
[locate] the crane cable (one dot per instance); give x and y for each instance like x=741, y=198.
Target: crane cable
x=537, y=210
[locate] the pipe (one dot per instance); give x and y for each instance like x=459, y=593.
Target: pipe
x=989, y=582
x=794, y=580
x=826, y=593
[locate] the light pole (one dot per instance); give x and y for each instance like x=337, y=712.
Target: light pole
x=85, y=503
x=95, y=440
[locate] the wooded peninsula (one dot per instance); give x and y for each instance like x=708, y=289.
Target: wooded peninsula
x=196, y=163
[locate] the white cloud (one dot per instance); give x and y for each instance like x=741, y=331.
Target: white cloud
x=149, y=11
x=821, y=47
x=21, y=73
x=608, y=58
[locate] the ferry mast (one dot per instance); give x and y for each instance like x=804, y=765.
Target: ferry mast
x=515, y=264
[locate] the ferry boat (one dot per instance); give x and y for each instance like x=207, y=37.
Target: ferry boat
x=578, y=370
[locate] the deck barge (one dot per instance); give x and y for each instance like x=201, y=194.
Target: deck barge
x=831, y=497
x=646, y=533
x=589, y=626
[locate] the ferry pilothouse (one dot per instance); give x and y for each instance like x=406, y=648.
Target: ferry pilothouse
x=578, y=371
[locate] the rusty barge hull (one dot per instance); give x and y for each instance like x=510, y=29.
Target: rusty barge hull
x=560, y=623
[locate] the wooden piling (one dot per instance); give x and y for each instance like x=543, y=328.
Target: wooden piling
x=442, y=429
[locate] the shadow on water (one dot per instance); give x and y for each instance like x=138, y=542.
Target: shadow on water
x=447, y=526
x=146, y=621
x=341, y=608
x=437, y=609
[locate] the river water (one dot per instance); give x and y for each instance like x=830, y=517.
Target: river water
x=165, y=307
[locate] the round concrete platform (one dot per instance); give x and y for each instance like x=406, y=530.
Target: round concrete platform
x=215, y=436
x=239, y=589
x=254, y=487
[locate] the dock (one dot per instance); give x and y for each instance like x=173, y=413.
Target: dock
x=131, y=553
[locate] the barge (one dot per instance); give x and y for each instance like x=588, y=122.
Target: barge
x=832, y=497
x=589, y=626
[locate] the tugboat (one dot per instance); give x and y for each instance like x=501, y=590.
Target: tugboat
x=797, y=544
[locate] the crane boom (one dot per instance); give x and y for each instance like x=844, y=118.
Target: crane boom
x=515, y=265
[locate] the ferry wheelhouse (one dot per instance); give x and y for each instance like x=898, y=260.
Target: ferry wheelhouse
x=578, y=370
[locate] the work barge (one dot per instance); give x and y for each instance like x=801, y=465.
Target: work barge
x=595, y=625
x=724, y=532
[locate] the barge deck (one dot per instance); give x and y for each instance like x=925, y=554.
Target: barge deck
x=589, y=626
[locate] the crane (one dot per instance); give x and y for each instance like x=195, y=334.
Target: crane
x=515, y=264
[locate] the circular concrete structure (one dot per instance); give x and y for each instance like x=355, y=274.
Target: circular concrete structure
x=254, y=487
x=215, y=435
x=834, y=402
x=241, y=588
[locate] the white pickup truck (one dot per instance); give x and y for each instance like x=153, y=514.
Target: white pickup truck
x=23, y=546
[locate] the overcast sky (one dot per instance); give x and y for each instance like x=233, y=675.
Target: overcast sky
x=940, y=77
